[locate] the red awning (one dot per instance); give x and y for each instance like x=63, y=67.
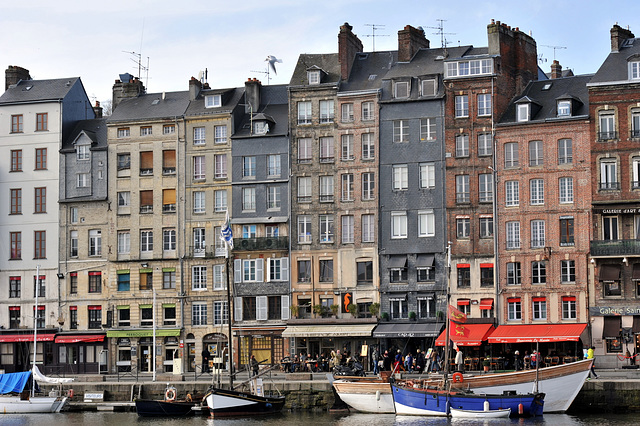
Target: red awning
x=7, y=338
x=474, y=335
x=486, y=303
x=80, y=338
x=524, y=333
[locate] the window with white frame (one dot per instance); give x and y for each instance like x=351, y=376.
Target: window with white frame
x=539, y=272
x=468, y=68
x=82, y=152
x=522, y=112
x=199, y=242
x=304, y=112
x=274, y=167
x=537, y=233
x=463, y=194
x=73, y=244
x=567, y=271
x=609, y=175
x=563, y=108
x=486, y=227
x=82, y=180
x=168, y=129
x=199, y=313
x=220, y=134
x=212, y=101
x=606, y=125
x=401, y=130
x=536, y=191
x=511, y=155
x=401, y=89
x=327, y=154
x=569, y=311
x=512, y=193
x=346, y=144
x=484, y=104
x=124, y=242
x=248, y=199
x=249, y=231
x=199, y=204
x=426, y=223
x=347, y=229
x=428, y=87
x=567, y=237
x=347, y=112
x=347, y=187
x=463, y=227
x=313, y=76
x=427, y=175
x=273, y=197
x=368, y=228
x=326, y=189
x=95, y=242
x=514, y=308
x=220, y=196
x=635, y=123
x=367, y=111
x=305, y=154
x=565, y=151
x=485, y=144
x=610, y=228
x=368, y=186
x=124, y=132
x=400, y=177
x=271, y=231
x=428, y=129
x=514, y=273
x=536, y=155
x=326, y=111
x=249, y=167
x=168, y=239
x=485, y=187
x=124, y=199
x=198, y=277
x=368, y=147
x=539, y=308
x=513, y=235
x=199, y=168
x=326, y=228
x=304, y=189
x=398, y=225
x=220, y=162
x=199, y=136
x=277, y=269
x=252, y=270
x=220, y=313
x=461, y=106
x=462, y=145
x=304, y=229
x=398, y=309
x=146, y=241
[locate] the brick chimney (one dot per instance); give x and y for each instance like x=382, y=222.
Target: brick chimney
x=348, y=45
x=97, y=110
x=127, y=86
x=14, y=74
x=518, y=55
x=195, y=87
x=410, y=40
x=252, y=95
x=556, y=69
x=618, y=36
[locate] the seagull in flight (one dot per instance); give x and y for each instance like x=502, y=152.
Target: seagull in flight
x=272, y=62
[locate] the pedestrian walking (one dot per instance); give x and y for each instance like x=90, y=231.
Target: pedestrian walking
x=591, y=355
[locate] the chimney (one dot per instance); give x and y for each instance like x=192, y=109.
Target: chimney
x=556, y=69
x=252, y=95
x=14, y=74
x=516, y=56
x=618, y=36
x=195, y=87
x=348, y=45
x=127, y=86
x=97, y=110
x=410, y=40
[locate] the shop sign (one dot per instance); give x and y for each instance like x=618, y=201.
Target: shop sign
x=614, y=311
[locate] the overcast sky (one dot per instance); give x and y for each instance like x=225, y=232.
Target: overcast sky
x=177, y=39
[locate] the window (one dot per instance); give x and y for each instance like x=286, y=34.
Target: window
x=522, y=112
x=401, y=131
x=249, y=167
x=95, y=282
x=313, y=76
x=274, y=169
x=95, y=242
x=304, y=271
x=466, y=68
x=485, y=144
x=401, y=89
x=146, y=163
x=168, y=129
x=123, y=132
x=124, y=199
x=73, y=282
x=14, y=316
x=484, y=104
x=485, y=187
x=273, y=197
x=16, y=245
x=425, y=273
x=169, y=162
x=82, y=180
x=15, y=284
x=73, y=244
x=364, y=272
x=124, y=161
x=567, y=271
x=82, y=152
x=514, y=309
x=304, y=150
x=400, y=177
x=248, y=199
x=539, y=308
x=399, y=309
x=607, y=126
x=635, y=171
x=304, y=229
x=486, y=275
x=146, y=130
x=124, y=281
x=346, y=142
x=39, y=286
x=146, y=201
x=73, y=214
x=368, y=228
x=610, y=228
x=514, y=273
x=609, y=175
x=212, y=101
x=367, y=111
x=326, y=270
x=536, y=189
x=220, y=196
x=199, y=136
x=146, y=241
x=427, y=175
x=95, y=316
x=536, y=154
x=462, y=145
x=347, y=229
x=462, y=189
x=569, y=311
x=16, y=201
x=220, y=166
x=428, y=129
x=278, y=269
x=511, y=155
x=462, y=106
x=398, y=224
x=398, y=274
x=17, y=123
x=219, y=278
x=463, y=227
x=168, y=239
x=304, y=112
x=220, y=313
x=40, y=245
x=464, y=276
x=199, y=313
x=538, y=272
x=42, y=122
x=199, y=242
x=146, y=279
x=272, y=231
x=537, y=233
x=512, y=193
x=199, y=202
x=327, y=154
x=486, y=227
x=249, y=308
x=566, y=231
x=368, y=186
x=566, y=190
x=426, y=223
x=41, y=158
x=347, y=113
x=304, y=189
x=513, y=235
x=326, y=189
x=124, y=242
x=564, y=108
x=199, y=278
x=16, y=160
x=199, y=167
x=249, y=231
x=220, y=134
x=635, y=123
x=565, y=151
x=326, y=228
x=169, y=314
x=73, y=317
x=347, y=187
x=428, y=87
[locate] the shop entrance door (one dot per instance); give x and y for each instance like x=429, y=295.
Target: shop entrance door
x=145, y=358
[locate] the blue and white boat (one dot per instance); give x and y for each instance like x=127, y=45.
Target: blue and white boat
x=436, y=402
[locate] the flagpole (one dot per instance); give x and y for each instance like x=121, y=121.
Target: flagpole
x=226, y=234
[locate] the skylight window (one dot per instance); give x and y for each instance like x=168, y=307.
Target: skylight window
x=547, y=86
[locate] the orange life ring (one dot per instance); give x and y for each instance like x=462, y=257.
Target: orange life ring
x=170, y=394
x=457, y=378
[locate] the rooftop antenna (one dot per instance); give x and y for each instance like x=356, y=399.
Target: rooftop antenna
x=138, y=60
x=554, y=49
x=441, y=33
x=373, y=34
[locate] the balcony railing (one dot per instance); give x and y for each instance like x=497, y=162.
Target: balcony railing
x=607, y=136
x=206, y=252
x=615, y=247
x=262, y=243
x=609, y=186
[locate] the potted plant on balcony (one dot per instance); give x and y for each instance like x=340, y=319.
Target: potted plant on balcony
x=374, y=308
x=317, y=309
x=294, y=310
x=353, y=309
x=412, y=316
x=385, y=316
x=334, y=310
x=485, y=364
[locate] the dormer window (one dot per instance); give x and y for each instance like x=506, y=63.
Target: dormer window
x=428, y=87
x=314, y=77
x=401, y=89
x=634, y=70
x=564, y=108
x=260, y=128
x=82, y=152
x=523, y=112
x=212, y=101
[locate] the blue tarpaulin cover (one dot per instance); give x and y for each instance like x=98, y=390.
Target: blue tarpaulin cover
x=13, y=382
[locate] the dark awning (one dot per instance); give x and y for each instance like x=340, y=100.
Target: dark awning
x=612, y=326
x=407, y=330
x=397, y=261
x=424, y=260
x=609, y=272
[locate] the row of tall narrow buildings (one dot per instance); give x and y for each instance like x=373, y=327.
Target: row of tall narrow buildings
x=365, y=196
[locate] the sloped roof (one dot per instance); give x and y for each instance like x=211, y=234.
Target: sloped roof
x=230, y=99
x=273, y=106
x=615, y=68
x=368, y=70
x=26, y=91
x=95, y=129
x=328, y=62
x=151, y=106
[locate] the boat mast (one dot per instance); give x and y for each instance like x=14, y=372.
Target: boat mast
x=35, y=328
x=447, y=338
x=230, y=338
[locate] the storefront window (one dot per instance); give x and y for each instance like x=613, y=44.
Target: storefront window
x=614, y=346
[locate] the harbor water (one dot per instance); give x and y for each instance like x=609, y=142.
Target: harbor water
x=301, y=418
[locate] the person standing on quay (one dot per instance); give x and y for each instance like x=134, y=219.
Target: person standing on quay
x=591, y=355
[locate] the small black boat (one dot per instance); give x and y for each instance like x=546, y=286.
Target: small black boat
x=227, y=403
x=169, y=407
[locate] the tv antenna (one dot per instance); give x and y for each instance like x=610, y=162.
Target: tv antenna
x=441, y=33
x=137, y=59
x=373, y=34
x=554, y=49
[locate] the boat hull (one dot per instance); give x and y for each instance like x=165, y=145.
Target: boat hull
x=13, y=404
x=158, y=408
x=370, y=397
x=470, y=414
x=421, y=402
x=228, y=403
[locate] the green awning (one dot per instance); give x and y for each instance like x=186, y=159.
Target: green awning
x=168, y=269
x=122, y=307
x=143, y=333
x=146, y=306
x=122, y=271
x=168, y=305
x=146, y=270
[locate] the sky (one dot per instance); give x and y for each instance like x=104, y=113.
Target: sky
x=175, y=40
